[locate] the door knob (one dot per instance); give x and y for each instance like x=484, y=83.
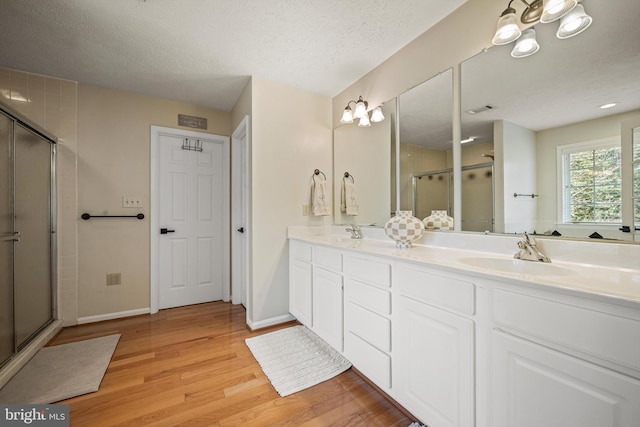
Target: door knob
x=241, y=229
x=165, y=231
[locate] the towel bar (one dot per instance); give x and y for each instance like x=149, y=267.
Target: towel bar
x=87, y=216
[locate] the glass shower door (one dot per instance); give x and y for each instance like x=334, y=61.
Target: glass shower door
x=7, y=344
x=33, y=308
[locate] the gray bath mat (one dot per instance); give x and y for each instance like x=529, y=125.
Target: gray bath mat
x=61, y=372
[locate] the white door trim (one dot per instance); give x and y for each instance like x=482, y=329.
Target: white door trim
x=240, y=140
x=156, y=132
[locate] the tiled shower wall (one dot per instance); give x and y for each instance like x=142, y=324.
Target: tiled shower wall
x=52, y=104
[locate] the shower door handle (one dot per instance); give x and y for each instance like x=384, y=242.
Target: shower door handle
x=11, y=237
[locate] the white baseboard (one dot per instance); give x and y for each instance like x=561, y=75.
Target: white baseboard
x=21, y=359
x=270, y=322
x=110, y=316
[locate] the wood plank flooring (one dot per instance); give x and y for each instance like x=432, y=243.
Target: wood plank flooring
x=189, y=366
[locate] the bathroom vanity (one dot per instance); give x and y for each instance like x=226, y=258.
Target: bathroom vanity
x=472, y=337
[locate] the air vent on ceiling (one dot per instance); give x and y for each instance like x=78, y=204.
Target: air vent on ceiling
x=480, y=109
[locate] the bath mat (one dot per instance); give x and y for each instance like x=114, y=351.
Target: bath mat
x=60, y=372
x=295, y=359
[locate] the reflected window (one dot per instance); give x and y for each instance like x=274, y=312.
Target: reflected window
x=592, y=182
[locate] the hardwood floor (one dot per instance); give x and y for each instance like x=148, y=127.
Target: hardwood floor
x=189, y=366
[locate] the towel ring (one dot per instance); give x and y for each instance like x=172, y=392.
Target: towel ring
x=318, y=172
x=348, y=175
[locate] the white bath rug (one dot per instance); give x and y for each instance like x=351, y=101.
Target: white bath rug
x=295, y=359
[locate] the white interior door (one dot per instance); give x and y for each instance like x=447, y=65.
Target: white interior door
x=239, y=214
x=190, y=220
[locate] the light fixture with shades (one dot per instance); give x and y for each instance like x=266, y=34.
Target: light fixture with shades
x=360, y=112
x=573, y=21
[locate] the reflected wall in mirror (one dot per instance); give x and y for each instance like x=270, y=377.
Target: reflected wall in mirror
x=533, y=108
x=426, y=165
x=364, y=153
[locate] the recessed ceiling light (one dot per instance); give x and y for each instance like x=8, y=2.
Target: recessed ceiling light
x=610, y=105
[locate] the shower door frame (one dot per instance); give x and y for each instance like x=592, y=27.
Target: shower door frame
x=449, y=174
x=19, y=119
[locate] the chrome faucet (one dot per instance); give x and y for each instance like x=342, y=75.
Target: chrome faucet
x=355, y=231
x=529, y=251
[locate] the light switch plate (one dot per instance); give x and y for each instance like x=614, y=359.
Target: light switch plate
x=131, y=201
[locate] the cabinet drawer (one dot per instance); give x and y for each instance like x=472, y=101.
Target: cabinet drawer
x=438, y=290
x=369, y=326
x=606, y=336
x=327, y=258
x=375, y=299
x=372, y=362
x=300, y=250
x=377, y=273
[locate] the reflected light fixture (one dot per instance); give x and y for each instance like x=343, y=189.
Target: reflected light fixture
x=526, y=45
x=360, y=112
x=573, y=21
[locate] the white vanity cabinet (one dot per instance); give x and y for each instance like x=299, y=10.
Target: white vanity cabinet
x=367, y=318
x=464, y=348
x=300, y=282
x=327, y=296
x=434, y=345
x=315, y=290
x=558, y=361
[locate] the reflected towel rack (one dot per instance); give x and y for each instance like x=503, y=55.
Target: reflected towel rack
x=525, y=195
x=87, y=216
x=318, y=172
x=348, y=175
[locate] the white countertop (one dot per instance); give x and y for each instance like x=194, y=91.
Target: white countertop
x=607, y=283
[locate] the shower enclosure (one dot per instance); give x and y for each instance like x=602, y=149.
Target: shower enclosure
x=27, y=235
x=434, y=191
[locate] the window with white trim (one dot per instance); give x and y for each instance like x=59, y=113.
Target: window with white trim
x=591, y=182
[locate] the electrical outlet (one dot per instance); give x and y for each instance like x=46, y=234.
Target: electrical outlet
x=305, y=210
x=131, y=201
x=114, y=279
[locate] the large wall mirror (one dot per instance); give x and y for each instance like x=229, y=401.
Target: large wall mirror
x=426, y=160
x=536, y=109
x=362, y=165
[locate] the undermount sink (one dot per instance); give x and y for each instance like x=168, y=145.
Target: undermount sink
x=516, y=266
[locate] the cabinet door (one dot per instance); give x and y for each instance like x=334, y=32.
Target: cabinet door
x=300, y=285
x=433, y=364
x=327, y=306
x=536, y=386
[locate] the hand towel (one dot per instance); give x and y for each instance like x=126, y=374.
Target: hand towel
x=319, y=205
x=351, y=203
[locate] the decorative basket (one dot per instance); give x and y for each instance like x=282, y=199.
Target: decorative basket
x=404, y=228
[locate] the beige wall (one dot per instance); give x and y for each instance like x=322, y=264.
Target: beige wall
x=53, y=107
x=364, y=152
x=291, y=136
x=415, y=159
x=113, y=161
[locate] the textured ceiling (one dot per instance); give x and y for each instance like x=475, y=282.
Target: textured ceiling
x=203, y=51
